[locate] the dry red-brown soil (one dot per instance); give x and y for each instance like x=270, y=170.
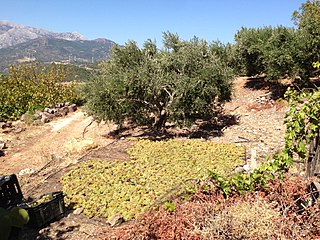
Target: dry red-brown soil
x=40, y=155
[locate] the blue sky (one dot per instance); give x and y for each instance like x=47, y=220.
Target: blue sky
x=139, y=20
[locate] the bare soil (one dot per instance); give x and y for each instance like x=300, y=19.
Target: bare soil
x=42, y=154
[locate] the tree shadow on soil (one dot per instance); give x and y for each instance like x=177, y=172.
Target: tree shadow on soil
x=277, y=88
x=35, y=233
x=199, y=130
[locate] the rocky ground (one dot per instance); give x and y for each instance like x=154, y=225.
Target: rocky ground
x=261, y=119
x=39, y=155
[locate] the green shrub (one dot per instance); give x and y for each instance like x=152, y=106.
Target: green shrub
x=30, y=87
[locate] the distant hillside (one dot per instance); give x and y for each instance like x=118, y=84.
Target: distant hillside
x=12, y=34
x=58, y=50
x=19, y=44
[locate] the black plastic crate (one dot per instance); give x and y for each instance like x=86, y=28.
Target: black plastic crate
x=10, y=191
x=45, y=212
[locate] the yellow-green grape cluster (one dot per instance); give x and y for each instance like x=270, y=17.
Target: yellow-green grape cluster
x=105, y=188
x=43, y=199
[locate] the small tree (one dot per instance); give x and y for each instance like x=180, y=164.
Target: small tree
x=30, y=87
x=273, y=51
x=307, y=20
x=250, y=44
x=150, y=86
x=278, y=54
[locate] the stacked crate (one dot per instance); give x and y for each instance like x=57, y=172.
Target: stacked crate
x=39, y=214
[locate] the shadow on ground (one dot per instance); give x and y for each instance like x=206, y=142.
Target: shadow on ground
x=277, y=88
x=201, y=129
x=61, y=230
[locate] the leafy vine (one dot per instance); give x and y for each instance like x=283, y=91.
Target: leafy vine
x=302, y=120
x=258, y=178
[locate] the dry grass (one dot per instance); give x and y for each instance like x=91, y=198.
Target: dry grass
x=243, y=220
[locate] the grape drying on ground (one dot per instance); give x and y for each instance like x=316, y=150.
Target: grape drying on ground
x=129, y=188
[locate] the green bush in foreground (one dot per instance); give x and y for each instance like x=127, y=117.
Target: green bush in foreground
x=156, y=168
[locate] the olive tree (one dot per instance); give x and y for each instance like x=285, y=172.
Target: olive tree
x=178, y=83
x=307, y=20
x=278, y=54
x=274, y=51
x=250, y=46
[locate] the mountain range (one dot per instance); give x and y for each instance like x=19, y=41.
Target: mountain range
x=19, y=43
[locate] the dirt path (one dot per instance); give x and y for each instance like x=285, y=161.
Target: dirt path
x=49, y=150
x=260, y=125
x=52, y=146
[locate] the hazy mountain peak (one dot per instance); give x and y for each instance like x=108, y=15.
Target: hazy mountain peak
x=12, y=34
x=24, y=44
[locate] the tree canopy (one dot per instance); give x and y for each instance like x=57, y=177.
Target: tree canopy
x=33, y=86
x=281, y=51
x=151, y=86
